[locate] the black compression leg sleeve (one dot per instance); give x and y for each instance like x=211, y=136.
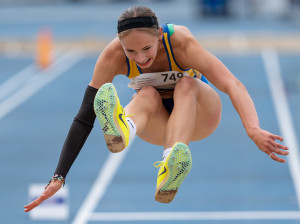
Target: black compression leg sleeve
x=78, y=133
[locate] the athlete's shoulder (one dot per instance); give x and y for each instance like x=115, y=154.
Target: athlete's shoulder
x=182, y=30
x=181, y=37
x=113, y=57
x=114, y=50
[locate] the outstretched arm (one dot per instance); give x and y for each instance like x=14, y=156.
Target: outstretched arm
x=193, y=55
x=108, y=65
x=244, y=105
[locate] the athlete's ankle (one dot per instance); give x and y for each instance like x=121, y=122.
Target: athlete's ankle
x=166, y=153
x=132, y=129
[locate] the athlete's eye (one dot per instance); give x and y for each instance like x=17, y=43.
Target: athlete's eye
x=146, y=48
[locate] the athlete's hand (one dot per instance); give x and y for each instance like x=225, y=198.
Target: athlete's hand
x=50, y=190
x=266, y=142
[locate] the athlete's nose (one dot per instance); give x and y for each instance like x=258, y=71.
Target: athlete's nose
x=140, y=58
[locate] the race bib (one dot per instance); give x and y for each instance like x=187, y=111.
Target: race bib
x=162, y=81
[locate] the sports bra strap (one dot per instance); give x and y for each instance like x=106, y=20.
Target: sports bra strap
x=171, y=28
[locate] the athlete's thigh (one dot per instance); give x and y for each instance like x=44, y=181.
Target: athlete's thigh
x=208, y=111
x=154, y=132
x=153, y=125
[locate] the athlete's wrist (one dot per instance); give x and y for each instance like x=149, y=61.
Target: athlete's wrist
x=55, y=178
x=252, y=131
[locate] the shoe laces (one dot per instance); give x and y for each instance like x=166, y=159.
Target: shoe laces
x=127, y=115
x=158, y=164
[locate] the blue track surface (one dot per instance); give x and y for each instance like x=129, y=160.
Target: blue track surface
x=229, y=173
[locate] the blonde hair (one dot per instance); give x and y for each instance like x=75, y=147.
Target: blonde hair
x=138, y=11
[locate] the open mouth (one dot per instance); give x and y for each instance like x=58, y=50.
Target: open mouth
x=144, y=64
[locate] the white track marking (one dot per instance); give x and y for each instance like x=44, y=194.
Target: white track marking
x=192, y=216
x=98, y=190
x=271, y=62
x=19, y=79
x=38, y=81
x=16, y=81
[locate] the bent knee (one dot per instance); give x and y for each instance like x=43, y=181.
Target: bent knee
x=149, y=92
x=186, y=84
x=150, y=96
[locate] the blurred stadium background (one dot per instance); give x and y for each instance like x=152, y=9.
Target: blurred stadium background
x=85, y=23
x=32, y=130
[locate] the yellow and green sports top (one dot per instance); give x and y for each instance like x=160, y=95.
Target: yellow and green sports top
x=162, y=81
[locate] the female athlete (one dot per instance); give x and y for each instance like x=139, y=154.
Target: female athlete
x=173, y=103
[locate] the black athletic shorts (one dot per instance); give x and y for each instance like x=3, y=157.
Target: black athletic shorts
x=169, y=104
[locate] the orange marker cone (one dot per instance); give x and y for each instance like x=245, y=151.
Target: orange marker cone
x=44, y=48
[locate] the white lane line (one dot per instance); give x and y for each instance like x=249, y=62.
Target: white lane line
x=192, y=216
x=38, y=81
x=271, y=63
x=98, y=190
x=16, y=81
x=19, y=79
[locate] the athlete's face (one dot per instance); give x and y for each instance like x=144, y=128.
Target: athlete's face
x=141, y=47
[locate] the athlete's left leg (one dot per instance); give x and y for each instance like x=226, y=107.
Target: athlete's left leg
x=196, y=113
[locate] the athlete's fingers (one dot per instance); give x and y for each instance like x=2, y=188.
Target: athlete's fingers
x=280, y=152
x=50, y=190
x=277, y=137
x=276, y=158
x=34, y=204
x=276, y=150
x=280, y=146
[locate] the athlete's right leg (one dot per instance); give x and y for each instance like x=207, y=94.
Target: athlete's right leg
x=149, y=115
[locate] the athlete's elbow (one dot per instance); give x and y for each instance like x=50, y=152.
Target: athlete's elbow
x=234, y=86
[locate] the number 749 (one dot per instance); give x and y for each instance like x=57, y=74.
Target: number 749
x=173, y=76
